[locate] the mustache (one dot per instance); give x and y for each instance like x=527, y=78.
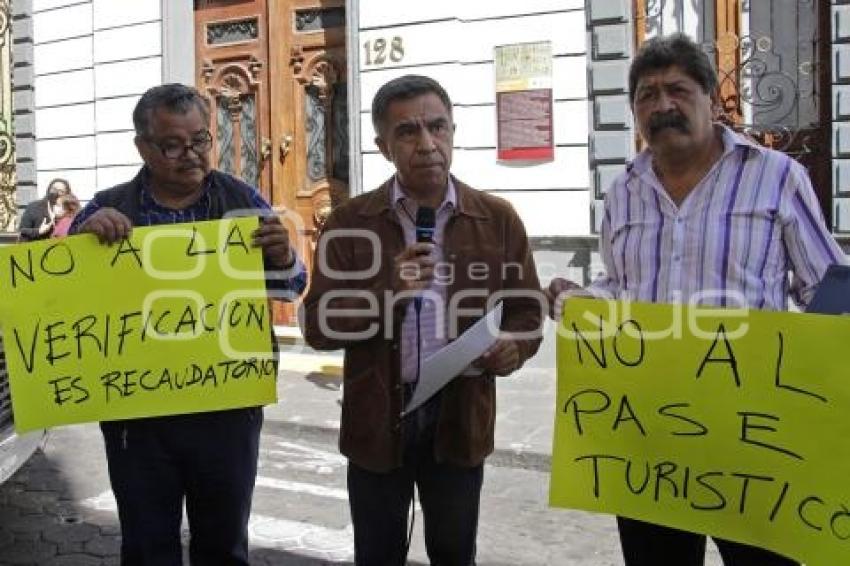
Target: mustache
x=658, y=122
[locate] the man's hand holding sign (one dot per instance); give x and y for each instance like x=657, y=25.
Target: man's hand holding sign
x=705, y=427
x=166, y=338
x=713, y=421
x=159, y=325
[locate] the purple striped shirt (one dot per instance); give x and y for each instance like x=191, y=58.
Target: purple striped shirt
x=432, y=318
x=751, y=220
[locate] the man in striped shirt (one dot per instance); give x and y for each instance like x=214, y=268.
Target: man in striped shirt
x=707, y=217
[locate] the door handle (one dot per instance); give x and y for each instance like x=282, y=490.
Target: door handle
x=265, y=149
x=285, y=146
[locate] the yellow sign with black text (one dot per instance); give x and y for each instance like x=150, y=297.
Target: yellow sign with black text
x=731, y=423
x=174, y=319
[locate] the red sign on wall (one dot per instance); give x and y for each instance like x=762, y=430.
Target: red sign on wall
x=524, y=102
x=525, y=124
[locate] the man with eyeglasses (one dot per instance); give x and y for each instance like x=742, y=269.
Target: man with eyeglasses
x=208, y=459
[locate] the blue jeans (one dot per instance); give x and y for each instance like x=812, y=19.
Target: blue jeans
x=449, y=495
x=208, y=459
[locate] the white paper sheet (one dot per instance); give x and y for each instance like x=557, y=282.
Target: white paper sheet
x=444, y=365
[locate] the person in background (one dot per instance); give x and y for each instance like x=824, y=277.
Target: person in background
x=37, y=221
x=67, y=207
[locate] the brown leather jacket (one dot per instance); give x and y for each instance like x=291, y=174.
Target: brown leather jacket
x=483, y=230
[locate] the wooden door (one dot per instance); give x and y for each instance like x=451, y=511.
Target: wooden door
x=274, y=72
x=231, y=49
x=310, y=130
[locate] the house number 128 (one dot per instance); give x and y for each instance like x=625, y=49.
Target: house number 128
x=378, y=50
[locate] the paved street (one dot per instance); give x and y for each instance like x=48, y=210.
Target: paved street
x=58, y=509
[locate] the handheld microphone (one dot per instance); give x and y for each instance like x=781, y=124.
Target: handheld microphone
x=426, y=220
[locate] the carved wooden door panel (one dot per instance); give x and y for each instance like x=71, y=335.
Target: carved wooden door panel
x=274, y=72
x=231, y=49
x=310, y=132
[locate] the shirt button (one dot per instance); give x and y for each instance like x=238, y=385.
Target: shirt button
x=676, y=258
x=679, y=221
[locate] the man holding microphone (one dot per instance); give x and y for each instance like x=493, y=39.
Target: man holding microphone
x=399, y=272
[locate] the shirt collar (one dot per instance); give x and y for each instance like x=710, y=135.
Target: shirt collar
x=399, y=198
x=731, y=141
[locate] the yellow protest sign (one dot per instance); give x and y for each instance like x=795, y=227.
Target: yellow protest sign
x=172, y=320
x=728, y=423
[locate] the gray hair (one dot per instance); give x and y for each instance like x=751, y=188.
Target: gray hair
x=404, y=88
x=173, y=97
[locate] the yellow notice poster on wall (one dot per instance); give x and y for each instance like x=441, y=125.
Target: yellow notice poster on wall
x=172, y=320
x=730, y=423
x=523, y=66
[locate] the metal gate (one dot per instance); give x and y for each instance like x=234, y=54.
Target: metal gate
x=772, y=61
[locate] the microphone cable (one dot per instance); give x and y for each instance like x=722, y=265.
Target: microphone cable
x=417, y=308
x=424, y=225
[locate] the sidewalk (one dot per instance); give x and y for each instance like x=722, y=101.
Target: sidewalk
x=309, y=392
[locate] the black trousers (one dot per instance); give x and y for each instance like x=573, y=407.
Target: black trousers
x=208, y=459
x=646, y=544
x=449, y=496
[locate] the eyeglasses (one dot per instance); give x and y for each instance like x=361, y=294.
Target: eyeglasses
x=172, y=149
